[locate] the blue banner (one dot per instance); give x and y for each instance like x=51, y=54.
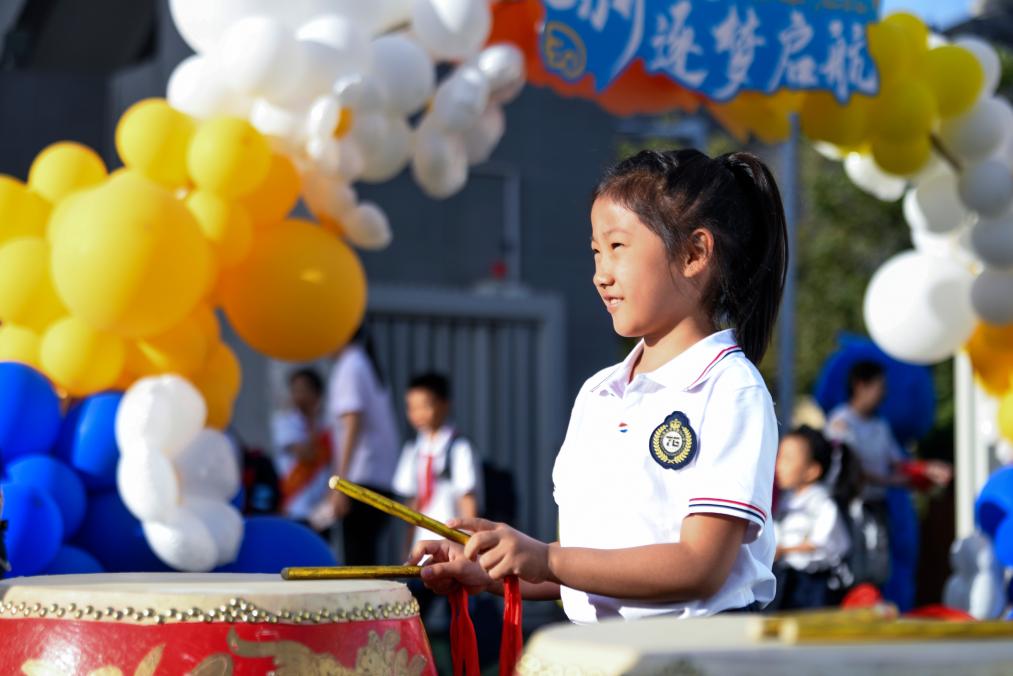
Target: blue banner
x=716, y=47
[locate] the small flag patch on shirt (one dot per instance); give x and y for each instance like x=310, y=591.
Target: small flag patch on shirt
x=623, y=427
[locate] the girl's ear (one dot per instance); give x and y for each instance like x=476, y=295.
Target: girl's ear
x=812, y=472
x=698, y=252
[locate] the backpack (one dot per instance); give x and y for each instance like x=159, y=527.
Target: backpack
x=499, y=493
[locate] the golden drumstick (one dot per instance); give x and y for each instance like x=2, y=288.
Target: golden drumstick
x=393, y=508
x=350, y=572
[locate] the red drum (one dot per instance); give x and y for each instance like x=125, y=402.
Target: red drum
x=208, y=625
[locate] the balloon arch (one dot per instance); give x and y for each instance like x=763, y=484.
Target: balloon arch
x=110, y=281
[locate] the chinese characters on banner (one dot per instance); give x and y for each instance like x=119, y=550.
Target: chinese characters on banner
x=716, y=47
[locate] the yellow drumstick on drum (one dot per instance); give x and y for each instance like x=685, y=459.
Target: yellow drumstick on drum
x=384, y=504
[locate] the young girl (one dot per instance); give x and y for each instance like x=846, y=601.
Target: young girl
x=812, y=537
x=664, y=479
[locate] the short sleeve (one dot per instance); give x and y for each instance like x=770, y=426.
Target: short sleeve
x=348, y=388
x=735, y=463
x=463, y=468
x=828, y=533
x=405, y=481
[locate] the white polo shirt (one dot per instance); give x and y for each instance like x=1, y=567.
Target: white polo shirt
x=696, y=436
x=811, y=516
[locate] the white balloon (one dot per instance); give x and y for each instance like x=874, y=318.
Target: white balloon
x=259, y=56
x=992, y=296
x=348, y=44
x=159, y=413
x=386, y=143
x=147, y=484
x=195, y=89
x=323, y=117
x=350, y=159
x=460, y=99
x=451, y=30
x=440, y=163
x=224, y=523
x=370, y=16
x=325, y=152
x=987, y=57
x=916, y=307
x=987, y=187
x=361, y=93
x=954, y=245
x=503, y=66
x=864, y=173
x=203, y=23
x=208, y=466
x=286, y=124
x=367, y=227
x=404, y=72
x=327, y=196
x=182, y=541
x=934, y=205
x=482, y=138
x=992, y=241
x=981, y=131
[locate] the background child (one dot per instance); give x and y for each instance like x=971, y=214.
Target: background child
x=665, y=477
x=812, y=538
x=438, y=471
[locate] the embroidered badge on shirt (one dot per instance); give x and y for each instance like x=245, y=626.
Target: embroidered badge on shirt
x=673, y=442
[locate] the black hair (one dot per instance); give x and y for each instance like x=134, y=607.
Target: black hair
x=862, y=372
x=310, y=376
x=733, y=196
x=843, y=480
x=436, y=384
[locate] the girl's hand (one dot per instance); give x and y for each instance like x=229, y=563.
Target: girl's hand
x=503, y=551
x=448, y=568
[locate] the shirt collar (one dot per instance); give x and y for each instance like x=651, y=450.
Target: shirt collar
x=684, y=371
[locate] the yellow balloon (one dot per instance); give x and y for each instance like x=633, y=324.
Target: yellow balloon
x=130, y=258
x=905, y=111
x=891, y=51
x=225, y=224
x=901, y=158
x=915, y=30
x=181, y=350
x=208, y=322
x=80, y=359
x=955, y=77
x=824, y=119
x=274, y=197
x=299, y=295
x=27, y=294
x=153, y=138
x=19, y=344
x=991, y=351
x=63, y=168
x=228, y=156
x=219, y=382
x=22, y=212
x=1006, y=416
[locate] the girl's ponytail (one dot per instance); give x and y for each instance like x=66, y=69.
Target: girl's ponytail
x=752, y=293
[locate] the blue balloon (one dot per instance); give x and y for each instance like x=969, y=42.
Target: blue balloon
x=271, y=543
x=34, y=528
x=910, y=403
x=29, y=412
x=114, y=536
x=73, y=561
x=56, y=480
x=995, y=501
x=87, y=440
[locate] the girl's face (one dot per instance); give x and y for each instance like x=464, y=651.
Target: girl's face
x=646, y=293
x=795, y=467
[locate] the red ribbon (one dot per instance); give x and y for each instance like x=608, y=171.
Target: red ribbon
x=512, y=641
x=463, y=644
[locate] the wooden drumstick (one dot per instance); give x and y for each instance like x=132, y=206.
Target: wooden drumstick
x=393, y=508
x=351, y=572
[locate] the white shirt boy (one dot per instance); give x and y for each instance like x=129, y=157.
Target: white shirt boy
x=696, y=436
x=811, y=516
x=450, y=482
x=354, y=388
